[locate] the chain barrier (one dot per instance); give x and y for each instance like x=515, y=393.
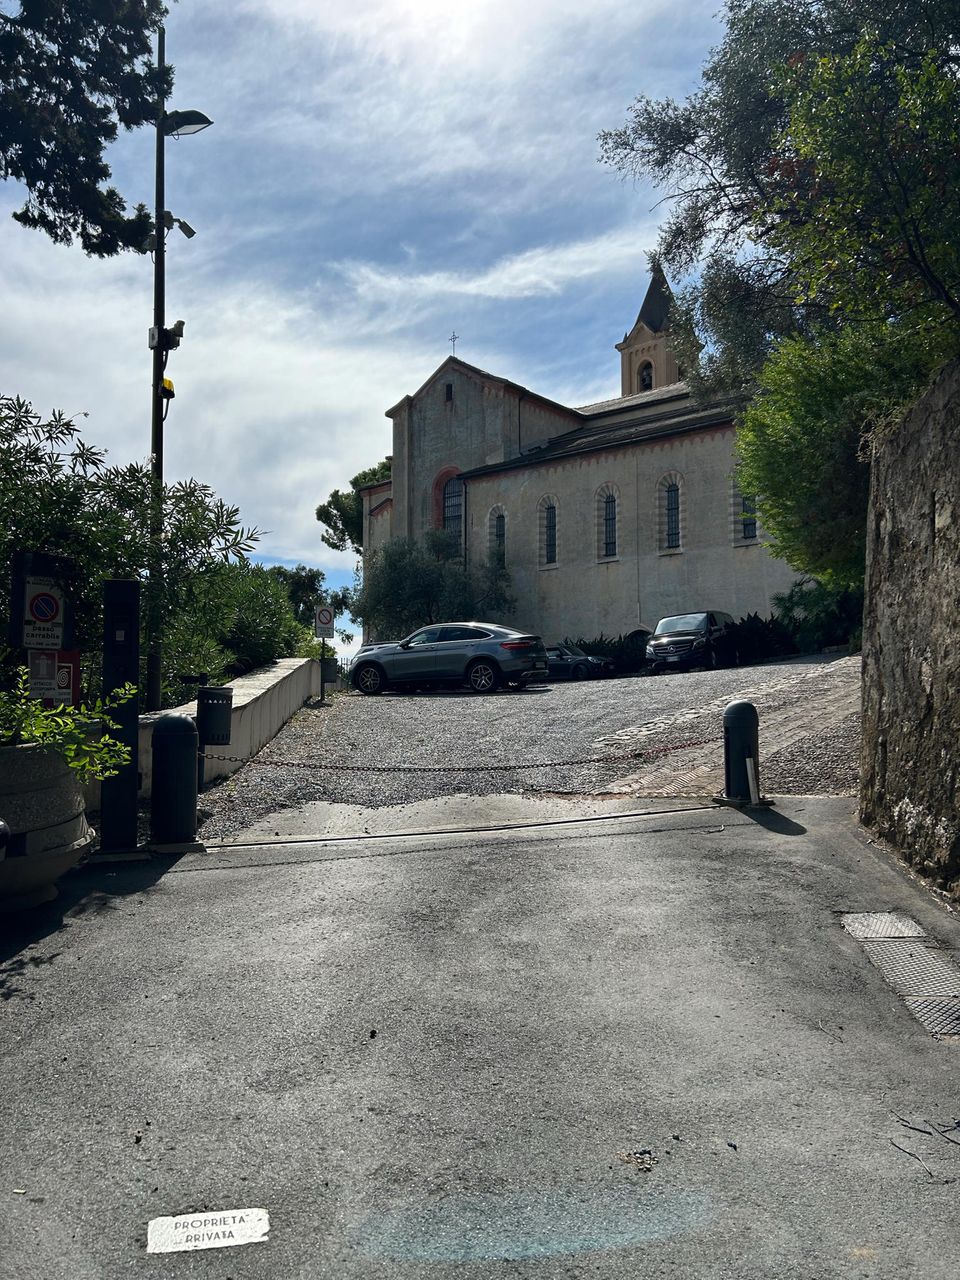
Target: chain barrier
x=647, y=753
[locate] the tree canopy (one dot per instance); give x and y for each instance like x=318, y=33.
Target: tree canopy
x=220, y=614
x=811, y=182
x=407, y=584
x=342, y=513
x=73, y=74
x=800, y=120
x=803, y=439
x=865, y=208
x=306, y=591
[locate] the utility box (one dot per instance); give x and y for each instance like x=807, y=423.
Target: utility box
x=214, y=715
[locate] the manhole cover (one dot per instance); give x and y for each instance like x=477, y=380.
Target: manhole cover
x=913, y=968
x=940, y=1017
x=881, y=924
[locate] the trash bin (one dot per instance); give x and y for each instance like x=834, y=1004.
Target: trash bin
x=214, y=715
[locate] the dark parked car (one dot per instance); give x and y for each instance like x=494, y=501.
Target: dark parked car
x=481, y=655
x=569, y=662
x=693, y=640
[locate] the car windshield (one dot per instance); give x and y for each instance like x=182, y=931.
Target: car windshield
x=682, y=622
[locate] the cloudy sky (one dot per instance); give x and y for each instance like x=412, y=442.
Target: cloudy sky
x=380, y=174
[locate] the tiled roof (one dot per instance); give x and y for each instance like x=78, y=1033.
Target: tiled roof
x=668, y=392
x=629, y=420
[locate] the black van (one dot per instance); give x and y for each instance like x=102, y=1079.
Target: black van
x=693, y=640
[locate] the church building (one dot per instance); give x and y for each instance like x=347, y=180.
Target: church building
x=607, y=516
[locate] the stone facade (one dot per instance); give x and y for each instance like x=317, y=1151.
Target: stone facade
x=911, y=668
x=607, y=516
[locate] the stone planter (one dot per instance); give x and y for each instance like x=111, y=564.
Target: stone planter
x=41, y=801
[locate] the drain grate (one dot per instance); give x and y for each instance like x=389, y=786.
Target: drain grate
x=940, y=1017
x=924, y=977
x=881, y=924
x=914, y=968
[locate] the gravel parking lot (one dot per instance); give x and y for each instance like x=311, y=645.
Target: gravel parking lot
x=454, y=737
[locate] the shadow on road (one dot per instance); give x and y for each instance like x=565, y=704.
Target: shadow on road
x=88, y=891
x=779, y=823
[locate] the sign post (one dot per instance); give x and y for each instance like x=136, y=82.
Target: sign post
x=121, y=665
x=324, y=628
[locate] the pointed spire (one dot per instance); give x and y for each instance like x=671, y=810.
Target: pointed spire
x=656, y=303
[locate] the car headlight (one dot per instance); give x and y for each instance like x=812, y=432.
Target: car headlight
x=651, y=652
x=698, y=644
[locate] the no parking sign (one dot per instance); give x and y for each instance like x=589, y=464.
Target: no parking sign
x=323, y=622
x=42, y=614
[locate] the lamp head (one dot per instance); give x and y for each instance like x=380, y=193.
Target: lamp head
x=176, y=124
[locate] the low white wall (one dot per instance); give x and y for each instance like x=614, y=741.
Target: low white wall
x=263, y=702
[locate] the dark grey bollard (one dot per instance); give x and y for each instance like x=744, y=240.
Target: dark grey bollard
x=214, y=721
x=173, y=793
x=741, y=756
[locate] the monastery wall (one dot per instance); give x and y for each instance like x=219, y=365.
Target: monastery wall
x=586, y=592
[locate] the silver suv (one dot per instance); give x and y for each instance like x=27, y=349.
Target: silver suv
x=480, y=654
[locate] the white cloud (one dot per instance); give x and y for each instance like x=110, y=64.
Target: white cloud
x=379, y=172
x=534, y=273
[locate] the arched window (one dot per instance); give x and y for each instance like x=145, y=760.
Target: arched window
x=547, y=523
x=497, y=530
x=673, y=515
x=453, y=506
x=645, y=377
x=748, y=518
x=670, y=511
x=606, y=522
x=744, y=508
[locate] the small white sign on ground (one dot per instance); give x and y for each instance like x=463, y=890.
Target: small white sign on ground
x=216, y=1229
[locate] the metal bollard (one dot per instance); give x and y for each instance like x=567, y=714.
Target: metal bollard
x=4, y=840
x=741, y=757
x=173, y=795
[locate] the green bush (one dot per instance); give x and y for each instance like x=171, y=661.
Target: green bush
x=762, y=639
x=627, y=653
x=261, y=626
x=76, y=734
x=820, y=616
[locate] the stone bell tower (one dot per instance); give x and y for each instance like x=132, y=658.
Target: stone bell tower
x=646, y=361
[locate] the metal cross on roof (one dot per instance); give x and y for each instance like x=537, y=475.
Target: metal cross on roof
x=453, y=340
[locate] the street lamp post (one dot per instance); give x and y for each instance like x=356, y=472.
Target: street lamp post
x=170, y=124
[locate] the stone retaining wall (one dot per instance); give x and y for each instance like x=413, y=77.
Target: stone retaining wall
x=911, y=638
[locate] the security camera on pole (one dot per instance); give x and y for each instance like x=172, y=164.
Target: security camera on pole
x=170, y=124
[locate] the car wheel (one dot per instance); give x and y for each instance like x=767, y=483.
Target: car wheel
x=712, y=663
x=579, y=672
x=369, y=679
x=483, y=676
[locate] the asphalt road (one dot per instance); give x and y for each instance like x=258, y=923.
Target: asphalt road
x=638, y=1047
